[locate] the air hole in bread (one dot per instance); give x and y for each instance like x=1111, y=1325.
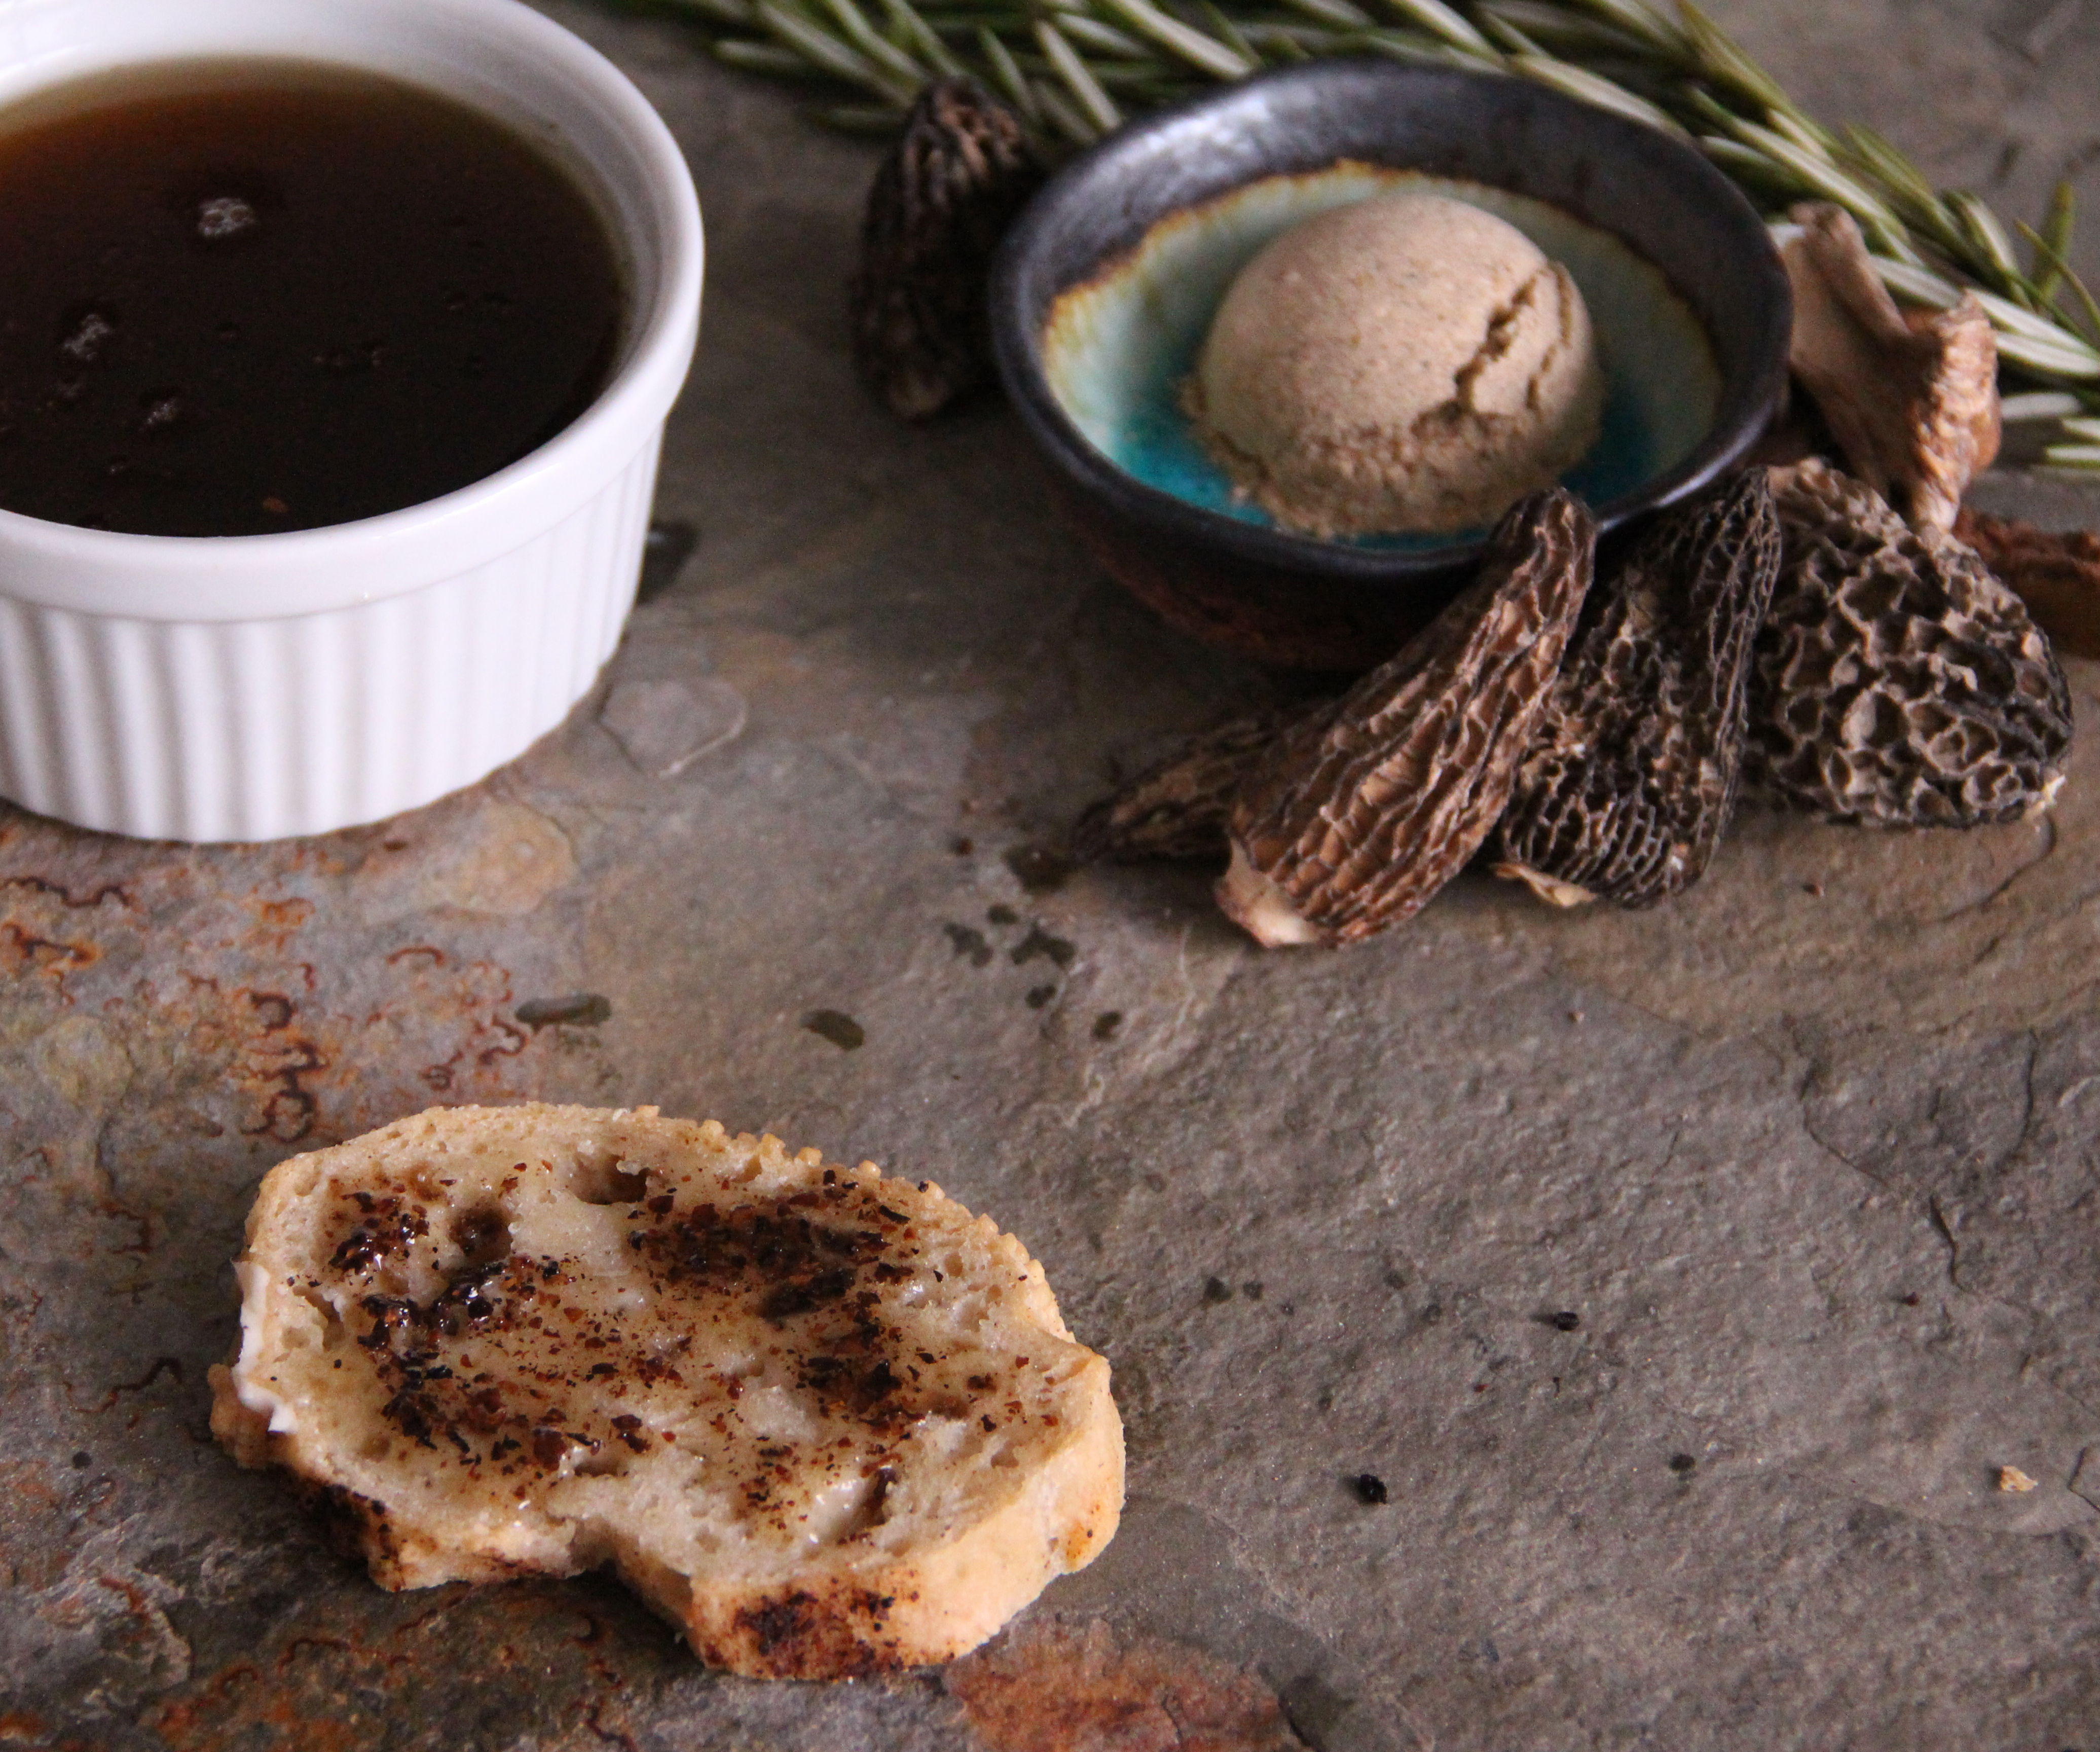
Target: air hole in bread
x=607, y=1462
x=873, y=1508
x=608, y=1183
x=482, y=1236
x=332, y=1327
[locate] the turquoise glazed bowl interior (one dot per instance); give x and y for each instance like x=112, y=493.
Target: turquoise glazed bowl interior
x=1117, y=348
x=1103, y=291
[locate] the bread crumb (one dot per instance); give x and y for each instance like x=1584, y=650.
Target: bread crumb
x=2012, y=1478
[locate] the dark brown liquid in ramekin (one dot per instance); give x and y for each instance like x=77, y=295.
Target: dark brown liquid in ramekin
x=239, y=297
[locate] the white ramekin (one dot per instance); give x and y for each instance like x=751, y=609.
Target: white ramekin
x=255, y=687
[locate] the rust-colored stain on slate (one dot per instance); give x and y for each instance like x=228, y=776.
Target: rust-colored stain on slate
x=1056, y=1687
x=463, y=1667
x=266, y=1011
x=29, y=1504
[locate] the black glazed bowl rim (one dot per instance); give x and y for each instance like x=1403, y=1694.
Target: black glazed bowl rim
x=1305, y=118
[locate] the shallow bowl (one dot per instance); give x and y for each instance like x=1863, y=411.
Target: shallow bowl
x=252, y=687
x=1104, y=289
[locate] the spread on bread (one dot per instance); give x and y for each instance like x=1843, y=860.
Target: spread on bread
x=828, y=1422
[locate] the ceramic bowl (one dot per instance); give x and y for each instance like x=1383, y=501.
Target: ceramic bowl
x=255, y=687
x=1104, y=288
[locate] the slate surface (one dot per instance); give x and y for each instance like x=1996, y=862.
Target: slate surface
x=1810, y=1154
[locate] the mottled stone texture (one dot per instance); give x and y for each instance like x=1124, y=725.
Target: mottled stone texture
x=1810, y=1154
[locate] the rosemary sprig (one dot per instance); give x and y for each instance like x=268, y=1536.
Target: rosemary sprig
x=1075, y=69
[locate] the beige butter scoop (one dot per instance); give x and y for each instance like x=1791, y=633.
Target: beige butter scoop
x=1406, y=362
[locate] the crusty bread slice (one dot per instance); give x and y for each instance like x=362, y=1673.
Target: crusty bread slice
x=828, y=1422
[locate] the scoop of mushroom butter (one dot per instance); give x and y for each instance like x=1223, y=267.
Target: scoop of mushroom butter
x=1408, y=363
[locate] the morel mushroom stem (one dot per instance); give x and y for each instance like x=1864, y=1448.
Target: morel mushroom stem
x=957, y=174
x=1363, y=810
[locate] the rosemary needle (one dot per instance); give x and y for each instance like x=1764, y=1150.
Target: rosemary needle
x=1057, y=62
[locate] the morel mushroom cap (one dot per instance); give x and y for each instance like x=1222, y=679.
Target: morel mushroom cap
x=1912, y=400
x=938, y=208
x=1178, y=807
x=1897, y=682
x=1363, y=810
x=1631, y=776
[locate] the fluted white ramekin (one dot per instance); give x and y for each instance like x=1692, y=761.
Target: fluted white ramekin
x=255, y=687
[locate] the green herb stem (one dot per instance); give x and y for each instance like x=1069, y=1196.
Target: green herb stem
x=1073, y=69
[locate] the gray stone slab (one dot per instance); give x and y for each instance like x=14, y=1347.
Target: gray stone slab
x=1810, y=1154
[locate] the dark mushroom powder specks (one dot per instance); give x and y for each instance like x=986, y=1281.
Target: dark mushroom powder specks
x=250, y=296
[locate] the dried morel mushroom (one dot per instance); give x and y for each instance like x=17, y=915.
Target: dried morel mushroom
x=1178, y=808
x=938, y=208
x=2057, y=575
x=1912, y=400
x=1363, y=810
x=1631, y=774
x=1897, y=682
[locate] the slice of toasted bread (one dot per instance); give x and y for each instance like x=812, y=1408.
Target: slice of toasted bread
x=830, y=1423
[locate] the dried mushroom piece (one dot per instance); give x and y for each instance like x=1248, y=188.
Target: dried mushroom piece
x=1897, y=683
x=1179, y=807
x=938, y=206
x=1362, y=811
x=2057, y=575
x=1631, y=775
x=1912, y=400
